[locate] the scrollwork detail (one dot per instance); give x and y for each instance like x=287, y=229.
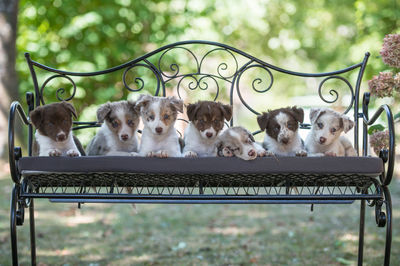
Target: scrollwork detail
x=59, y=91
x=199, y=83
x=334, y=92
x=174, y=66
x=222, y=66
x=138, y=80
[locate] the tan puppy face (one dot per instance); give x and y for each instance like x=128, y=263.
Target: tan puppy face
x=120, y=117
x=327, y=125
x=159, y=113
x=237, y=141
x=208, y=117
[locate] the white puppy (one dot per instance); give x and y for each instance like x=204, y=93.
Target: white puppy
x=324, y=137
x=159, y=136
x=117, y=134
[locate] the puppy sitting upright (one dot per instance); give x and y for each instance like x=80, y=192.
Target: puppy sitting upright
x=206, y=121
x=159, y=137
x=281, y=128
x=53, y=135
x=324, y=137
x=117, y=135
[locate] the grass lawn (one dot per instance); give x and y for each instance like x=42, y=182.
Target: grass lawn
x=106, y=234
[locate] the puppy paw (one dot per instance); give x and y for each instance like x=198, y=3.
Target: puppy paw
x=301, y=153
x=261, y=153
x=54, y=153
x=190, y=154
x=162, y=154
x=72, y=153
x=227, y=152
x=330, y=154
x=151, y=154
x=269, y=153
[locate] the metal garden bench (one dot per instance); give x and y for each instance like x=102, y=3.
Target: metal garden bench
x=222, y=73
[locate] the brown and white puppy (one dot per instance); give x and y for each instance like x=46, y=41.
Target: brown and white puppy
x=159, y=137
x=206, y=122
x=324, y=137
x=239, y=142
x=53, y=137
x=117, y=135
x=281, y=127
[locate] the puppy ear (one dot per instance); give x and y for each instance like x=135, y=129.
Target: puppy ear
x=262, y=121
x=191, y=110
x=132, y=106
x=315, y=113
x=252, y=137
x=70, y=108
x=36, y=116
x=103, y=111
x=298, y=114
x=176, y=103
x=142, y=101
x=226, y=111
x=347, y=123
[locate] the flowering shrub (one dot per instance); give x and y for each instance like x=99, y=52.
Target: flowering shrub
x=383, y=85
x=391, y=50
x=379, y=140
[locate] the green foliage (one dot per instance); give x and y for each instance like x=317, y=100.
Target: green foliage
x=375, y=128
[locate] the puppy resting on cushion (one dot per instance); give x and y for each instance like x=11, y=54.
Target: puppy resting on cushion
x=117, y=135
x=206, y=122
x=53, y=135
x=159, y=137
x=281, y=127
x=239, y=142
x=324, y=137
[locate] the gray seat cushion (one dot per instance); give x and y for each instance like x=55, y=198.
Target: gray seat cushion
x=366, y=166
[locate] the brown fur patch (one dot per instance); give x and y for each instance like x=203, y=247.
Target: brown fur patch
x=206, y=114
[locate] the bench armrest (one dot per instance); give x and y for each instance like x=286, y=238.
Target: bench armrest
x=14, y=153
x=387, y=155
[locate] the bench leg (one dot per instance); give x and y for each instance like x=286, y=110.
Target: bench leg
x=32, y=231
x=361, y=233
x=13, y=225
x=388, y=243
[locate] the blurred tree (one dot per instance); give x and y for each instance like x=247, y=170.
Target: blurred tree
x=8, y=74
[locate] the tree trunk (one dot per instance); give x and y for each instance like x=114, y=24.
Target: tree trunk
x=8, y=74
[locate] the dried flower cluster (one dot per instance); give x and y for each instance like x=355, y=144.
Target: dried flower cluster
x=391, y=50
x=384, y=84
x=379, y=140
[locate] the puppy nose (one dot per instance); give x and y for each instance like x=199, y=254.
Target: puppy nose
x=159, y=130
x=252, y=153
x=322, y=140
x=285, y=140
x=209, y=134
x=60, y=136
x=124, y=137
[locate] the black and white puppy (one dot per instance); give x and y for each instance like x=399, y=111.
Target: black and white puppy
x=324, y=137
x=53, y=137
x=281, y=127
x=206, y=122
x=159, y=137
x=239, y=142
x=117, y=135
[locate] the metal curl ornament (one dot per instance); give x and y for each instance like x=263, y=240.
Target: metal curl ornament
x=222, y=66
x=335, y=93
x=60, y=90
x=175, y=67
x=138, y=80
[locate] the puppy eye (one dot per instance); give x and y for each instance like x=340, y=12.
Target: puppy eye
x=333, y=130
x=320, y=125
x=130, y=123
x=201, y=121
x=277, y=128
x=166, y=116
x=114, y=124
x=151, y=117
